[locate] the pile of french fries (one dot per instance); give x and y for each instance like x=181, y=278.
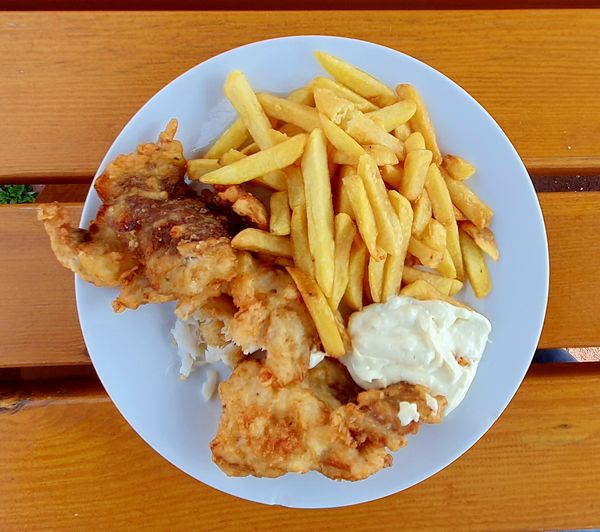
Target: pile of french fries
x=363, y=205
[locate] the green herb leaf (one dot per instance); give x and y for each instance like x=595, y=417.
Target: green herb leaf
x=17, y=194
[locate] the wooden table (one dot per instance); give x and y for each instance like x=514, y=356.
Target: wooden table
x=68, y=84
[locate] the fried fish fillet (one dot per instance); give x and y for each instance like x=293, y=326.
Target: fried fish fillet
x=323, y=423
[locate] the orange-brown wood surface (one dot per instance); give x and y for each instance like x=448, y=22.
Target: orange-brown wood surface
x=38, y=322
x=69, y=461
x=70, y=81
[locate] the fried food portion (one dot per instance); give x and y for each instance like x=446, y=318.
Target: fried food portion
x=323, y=423
x=244, y=204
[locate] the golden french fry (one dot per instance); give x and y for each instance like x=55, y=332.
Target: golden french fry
x=251, y=239
x=470, y=204
x=231, y=156
x=395, y=115
x=199, y=167
x=303, y=95
x=343, y=142
x=375, y=271
x=251, y=149
x=446, y=266
x=362, y=104
x=457, y=214
x=239, y=92
x=453, y=245
x=363, y=214
x=415, y=141
x=299, y=240
x=457, y=167
x=475, y=266
x=381, y=155
x=434, y=235
x=275, y=180
x=427, y=255
x=389, y=236
x=342, y=199
x=392, y=175
x=320, y=311
x=441, y=204
x=402, y=132
x=334, y=107
x=415, y=172
x=256, y=165
x=357, y=80
x=365, y=131
x=394, y=264
x=353, y=297
x=456, y=287
x=279, y=221
x=421, y=121
x=423, y=291
x=289, y=111
x=443, y=284
x=232, y=138
x=295, y=186
x=422, y=214
x=291, y=130
x=317, y=191
x=484, y=238
x=345, y=231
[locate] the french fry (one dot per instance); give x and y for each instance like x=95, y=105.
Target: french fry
x=389, y=236
x=295, y=186
x=421, y=120
x=343, y=142
x=375, y=271
x=475, y=266
x=256, y=165
x=458, y=215
x=345, y=231
x=274, y=180
x=457, y=167
x=289, y=111
x=453, y=245
x=200, y=167
x=392, y=175
x=415, y=141
x=423, y=291
x=317, y=191
x=381, y=155
x=342, y=199
x=365, y=131
x=279, y=221
x=303, y=95
x=470, y=204
x=353, y=296
x=363, y=214
x=434, y=235
x=443, y=284
x=415, y=172
x=441, y=204
x=362, y=104
x=334, y=107
x=299, y=240
x=250, y=149
x=394, y=264
x=446, y=266
x=402, y=132
x=231, y=156
x=357, y=80
x=427, y=255
x=320, y=311
x=484, y=238
x=251, y=239
x=291, y=130
x=422, y=214
x=232, y=138
x=456, y=287
x=239, y=92
x=393, y=116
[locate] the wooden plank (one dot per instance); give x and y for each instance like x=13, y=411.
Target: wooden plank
x=87, y=468
x=38, y=319
x=63, y=97
x=48, y=332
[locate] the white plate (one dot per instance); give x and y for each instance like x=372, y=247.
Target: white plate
x=133, y=354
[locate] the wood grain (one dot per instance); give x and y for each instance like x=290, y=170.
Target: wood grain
x=64, y=96
x=38, y=322
x=70, y=459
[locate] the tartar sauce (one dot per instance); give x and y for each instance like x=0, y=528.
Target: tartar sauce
x=420, y=342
